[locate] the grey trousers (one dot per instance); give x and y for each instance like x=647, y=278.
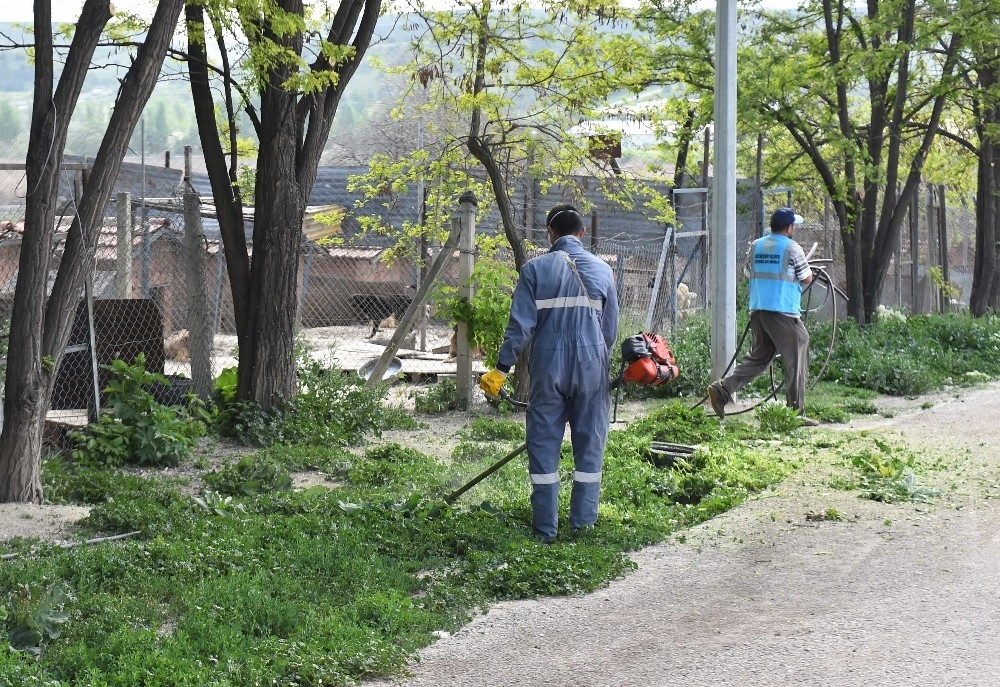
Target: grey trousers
x=774, y=332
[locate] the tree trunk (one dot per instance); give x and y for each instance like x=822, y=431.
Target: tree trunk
x=228, y=203
x=853, y=266
x=40, y=327
x=267, y=370
x=293, y=130
x=684, y=137
x=28, y=384
x=985, y=294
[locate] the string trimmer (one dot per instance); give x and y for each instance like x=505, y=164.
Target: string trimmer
x=646, y=360
x=453, y=496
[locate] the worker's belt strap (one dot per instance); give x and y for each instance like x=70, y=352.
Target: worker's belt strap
x=548, y=478
x=587, y=476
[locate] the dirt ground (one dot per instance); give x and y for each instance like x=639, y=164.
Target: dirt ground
x=767, y=594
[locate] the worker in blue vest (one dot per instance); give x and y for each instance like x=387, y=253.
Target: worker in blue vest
x=778, y=272
x=566, y=307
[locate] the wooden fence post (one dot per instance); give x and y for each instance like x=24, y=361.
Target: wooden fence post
x=466, y=264
x=123, y=271
x=200, y=334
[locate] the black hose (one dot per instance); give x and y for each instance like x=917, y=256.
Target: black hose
x=831, y=290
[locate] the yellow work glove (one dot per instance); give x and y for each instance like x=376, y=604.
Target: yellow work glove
x=492, y=382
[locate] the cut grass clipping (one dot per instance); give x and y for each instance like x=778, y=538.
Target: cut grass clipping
x=886, y=473
x=252, y=583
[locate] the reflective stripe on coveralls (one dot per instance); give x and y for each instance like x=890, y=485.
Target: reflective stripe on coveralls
x=570, y=342
x=568, y=302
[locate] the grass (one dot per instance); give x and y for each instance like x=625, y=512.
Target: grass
x=251, y=582
x=898, y=356
x=254, y=583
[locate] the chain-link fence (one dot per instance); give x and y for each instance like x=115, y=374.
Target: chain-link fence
x=160, y=285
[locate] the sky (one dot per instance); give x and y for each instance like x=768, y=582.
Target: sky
x=69, y=10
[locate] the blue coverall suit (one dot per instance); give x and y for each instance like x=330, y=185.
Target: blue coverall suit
x=574, y=326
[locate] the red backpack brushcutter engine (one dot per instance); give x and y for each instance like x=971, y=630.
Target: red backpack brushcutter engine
x=648, y=360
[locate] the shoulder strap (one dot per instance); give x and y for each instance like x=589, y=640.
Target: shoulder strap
x=594, y=304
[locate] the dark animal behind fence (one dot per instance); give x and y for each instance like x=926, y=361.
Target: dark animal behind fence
x=376, y=307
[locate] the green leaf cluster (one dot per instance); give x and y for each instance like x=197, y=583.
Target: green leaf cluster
x=333, y=408
x=910, y=356
x=486, y=313
x=139, y=429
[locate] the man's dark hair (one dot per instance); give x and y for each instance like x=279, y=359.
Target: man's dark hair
x=564, y=220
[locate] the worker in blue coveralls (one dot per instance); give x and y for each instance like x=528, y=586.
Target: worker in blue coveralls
x=778, y=272
x=566, y=307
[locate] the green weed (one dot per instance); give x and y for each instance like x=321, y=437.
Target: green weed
x=495, y=429
x=776, y=417
x=332, y=408
x=253, y=474
x=916, y=354
x=331, y=586
x=477, y=451
x=440, y=398
x=888, y=474
x=139, y=430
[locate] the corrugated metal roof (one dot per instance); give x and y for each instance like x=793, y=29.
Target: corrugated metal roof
x=634, y=223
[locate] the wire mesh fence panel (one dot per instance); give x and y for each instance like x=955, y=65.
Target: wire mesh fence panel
x=352, y=300
x=160, y=284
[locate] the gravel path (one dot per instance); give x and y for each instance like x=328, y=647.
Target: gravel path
x=763, y=595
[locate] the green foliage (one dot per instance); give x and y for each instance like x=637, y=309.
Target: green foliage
x=837, y=413
x=692, y=351
x=38, y=617
x=493, y=280
x=526, y=570
x=859, y=406
x=916, y=355
x=333, y=408
x=224, y=387
x=440, y=398
x=139, y=429
x=337, y=585
x=947, y=289
x=391, y=465
x=776, y=417
x=676, y=423
x=217, y=504
x=495, y=429
x=519, y=120
x=888, y=474
x=253, y=474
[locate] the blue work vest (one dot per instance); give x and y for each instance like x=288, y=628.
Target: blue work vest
x=773, y=284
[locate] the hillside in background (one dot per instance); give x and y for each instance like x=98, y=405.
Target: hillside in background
x=169, y=119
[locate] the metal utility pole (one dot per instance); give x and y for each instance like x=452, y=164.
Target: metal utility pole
x=723, y=243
